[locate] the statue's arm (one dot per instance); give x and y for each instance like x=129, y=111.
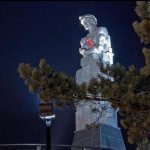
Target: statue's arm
x=102, y=39
x=83, y=44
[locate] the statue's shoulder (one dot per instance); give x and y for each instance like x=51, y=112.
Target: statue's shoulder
x=102, y=30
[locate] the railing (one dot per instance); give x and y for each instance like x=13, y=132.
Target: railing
x=26, y=146
x=38, y=146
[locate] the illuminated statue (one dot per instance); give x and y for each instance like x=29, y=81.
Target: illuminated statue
x=95, y=46
x=97, y=40
x=96, y=121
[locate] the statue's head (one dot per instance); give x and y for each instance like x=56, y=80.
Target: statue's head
x=88, y=21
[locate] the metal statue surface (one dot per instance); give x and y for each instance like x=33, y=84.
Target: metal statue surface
x=97, y=41
x=95, y=46
x=95, y=118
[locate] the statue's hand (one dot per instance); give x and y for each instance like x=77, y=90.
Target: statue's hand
x=82, y=51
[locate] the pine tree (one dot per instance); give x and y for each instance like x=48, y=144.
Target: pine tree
x=48, y=84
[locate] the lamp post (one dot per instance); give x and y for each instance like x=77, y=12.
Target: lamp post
x=46, y=113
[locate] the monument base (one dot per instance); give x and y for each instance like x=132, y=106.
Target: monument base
x=101, y=136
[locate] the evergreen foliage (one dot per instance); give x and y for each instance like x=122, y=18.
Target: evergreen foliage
x=130, y=88
x=144, y=145
x=47, y=83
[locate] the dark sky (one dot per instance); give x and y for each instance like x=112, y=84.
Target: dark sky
x=51, y=30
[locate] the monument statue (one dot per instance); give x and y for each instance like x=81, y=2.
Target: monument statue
x=97, y=41
x=95, y=48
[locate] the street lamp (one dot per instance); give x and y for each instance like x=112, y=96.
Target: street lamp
x=46, y=113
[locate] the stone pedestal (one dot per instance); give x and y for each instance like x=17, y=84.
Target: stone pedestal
x=104, y=136
x=85, y=116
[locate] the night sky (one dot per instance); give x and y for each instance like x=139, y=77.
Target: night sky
x=30, y=31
